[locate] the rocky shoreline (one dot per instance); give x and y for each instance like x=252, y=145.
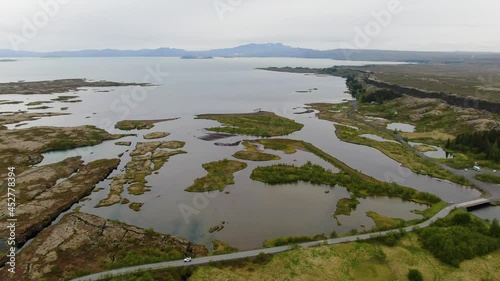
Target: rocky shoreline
x=101, y=244
x=57, y=86
x=45, y=192
x=46, y=202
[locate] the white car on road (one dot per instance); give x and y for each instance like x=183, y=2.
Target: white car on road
x=187, y=259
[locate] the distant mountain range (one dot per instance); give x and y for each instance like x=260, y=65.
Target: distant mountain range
x=273, y=50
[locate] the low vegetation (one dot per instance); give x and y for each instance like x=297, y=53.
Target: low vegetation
x=261, y=124
x=463, y=79
x=66, y=99
x=156, y=135
x=397, y=256
x=39, y=107
x=221, y=248
x=383, y=222
x=57, y=86
x=146, y=158
x=135, y=206
x=285, y=145
x=89, y=244
x=252, y=153
x=56, y=138
x=424, y=148
x=403, y=155
x=290, y=240
x=345, y=206
x=460, y=237
x=279, y=174
x=484, y=145
x=392, y=149
x=220, y=175
x=127, y=125
x=488, y=178
x=353, y=261
x=360, y=185
x=415, y=275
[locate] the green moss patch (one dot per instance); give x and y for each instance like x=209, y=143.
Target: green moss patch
x=220, y=175
x=262, y=124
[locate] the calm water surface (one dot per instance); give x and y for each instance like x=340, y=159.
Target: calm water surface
x=252, y=211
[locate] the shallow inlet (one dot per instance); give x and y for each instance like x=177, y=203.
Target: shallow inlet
x=402, y=127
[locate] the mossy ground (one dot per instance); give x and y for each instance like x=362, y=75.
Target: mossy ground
x=220, y=175
x=252, y=153
x=355, y=261
x=221, y=248
x=394, y=150
x=127, y=125
x=488, y=178
x=383, y=222
x=345, y=206
x=425, y=148
x=261, y=124
x=357, y=185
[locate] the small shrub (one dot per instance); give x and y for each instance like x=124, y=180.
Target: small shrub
x=415, y=275
x=379, y=255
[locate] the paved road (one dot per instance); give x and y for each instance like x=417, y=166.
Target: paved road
x=491, y=190
x=205, y=260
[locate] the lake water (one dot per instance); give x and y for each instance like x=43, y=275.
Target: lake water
x=438, y=152
x=402, y=127
x=377, y=138
x=252, y=211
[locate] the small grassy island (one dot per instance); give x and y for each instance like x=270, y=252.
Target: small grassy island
x=156, y=135
x=260, y=124
x=128, y=125
x=315, y=174
x=358, y=184
x=220, y=175
x=252, y=153
x=147, y=158
x=345, y=206
x=57, y=86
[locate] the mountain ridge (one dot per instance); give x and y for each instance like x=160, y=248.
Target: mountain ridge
x=272, y=50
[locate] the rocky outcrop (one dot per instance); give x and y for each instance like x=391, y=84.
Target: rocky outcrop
x=57, y=86
x=48, y=201
x=156, y=135
x=451, y=99
x=91, y=244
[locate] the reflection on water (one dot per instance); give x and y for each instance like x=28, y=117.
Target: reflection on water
x=377, y=138
x=402, y=127
x=490, y=212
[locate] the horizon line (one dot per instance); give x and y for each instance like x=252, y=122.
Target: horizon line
x=247, y=44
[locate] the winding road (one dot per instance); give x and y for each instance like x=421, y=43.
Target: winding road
x=205, y=260
x=491, y=191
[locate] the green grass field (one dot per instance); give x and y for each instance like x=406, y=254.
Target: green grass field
x=355, y=261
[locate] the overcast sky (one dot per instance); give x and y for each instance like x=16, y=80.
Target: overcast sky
x=205, y=24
